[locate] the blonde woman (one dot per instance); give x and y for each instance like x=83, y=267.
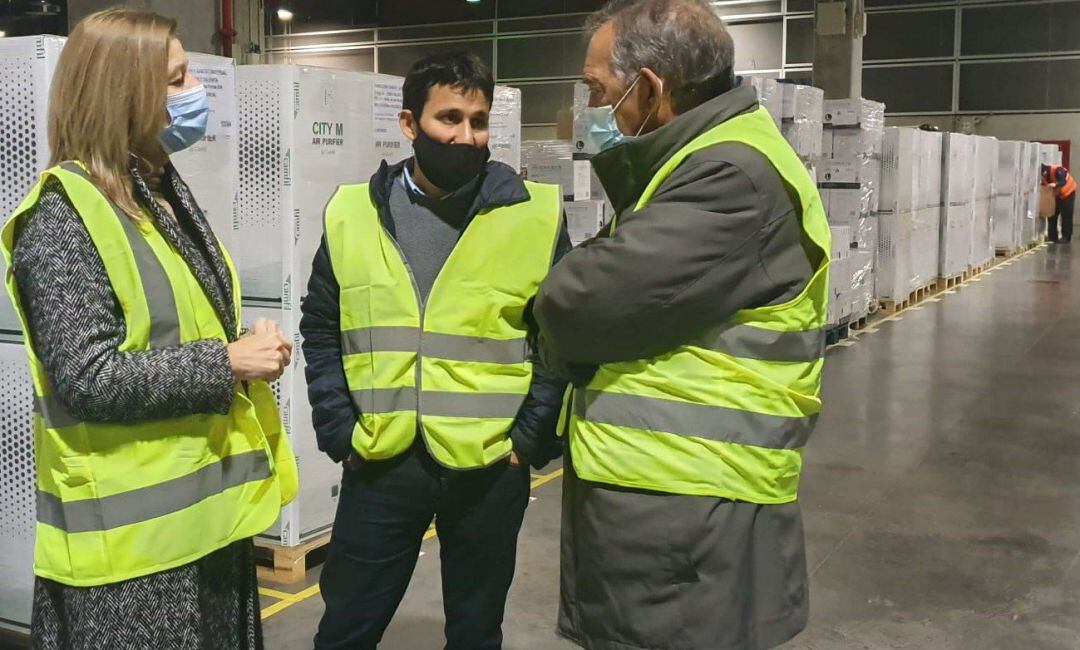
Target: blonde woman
x=158, y=445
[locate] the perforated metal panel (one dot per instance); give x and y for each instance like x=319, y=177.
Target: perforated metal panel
x=260, y=184
x=26, y=65
x=16, y=487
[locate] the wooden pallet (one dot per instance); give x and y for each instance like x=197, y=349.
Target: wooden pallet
x=837, y=333
x=859, y=323
x=1010, y=252
x=976, y=270
x=944, y=284
x=913, y=298
x=287, y=564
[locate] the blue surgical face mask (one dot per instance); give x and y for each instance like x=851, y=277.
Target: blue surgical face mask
x=188, y=113
x=602, y=129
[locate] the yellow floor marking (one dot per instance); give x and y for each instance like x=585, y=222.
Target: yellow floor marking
x=287, y=600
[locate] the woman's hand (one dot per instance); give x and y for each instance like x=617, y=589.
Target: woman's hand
x=262, y=354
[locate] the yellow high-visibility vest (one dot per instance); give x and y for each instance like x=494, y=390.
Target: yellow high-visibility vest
x=117, y=501
x=455, y=368
x=727, y=414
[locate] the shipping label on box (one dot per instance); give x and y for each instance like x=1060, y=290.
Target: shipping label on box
x=854, y=143
x=854, y=112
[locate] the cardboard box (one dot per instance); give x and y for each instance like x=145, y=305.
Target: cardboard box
x=929, y=182
x=303, y=132
x=505, y=126
x=986, y=164
x=1047, y=202
x=802, y=103
x=852, y=143
x=805, y=138
x=958, y=169
x=549, y=161
x=27, y=64
x=893, y=279
x=865, y=113
x=584, y=219
x=770, y=95
x=899, y=170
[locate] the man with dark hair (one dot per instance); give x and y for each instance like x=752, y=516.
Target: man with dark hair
x=693, y=330
x=420, y=378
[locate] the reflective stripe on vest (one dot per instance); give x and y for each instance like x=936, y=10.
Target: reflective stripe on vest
x=455, y=368
x=121, y=500
x=728, y=413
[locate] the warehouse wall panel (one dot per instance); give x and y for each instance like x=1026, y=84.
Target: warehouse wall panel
x=541, y=101
x=397, y=59
x=910, y=89
x=758, y=44
x=800, y=41
x=1021, y=28
x=551, y=55
x=909, y=35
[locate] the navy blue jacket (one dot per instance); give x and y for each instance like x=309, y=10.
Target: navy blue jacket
x=333, y=413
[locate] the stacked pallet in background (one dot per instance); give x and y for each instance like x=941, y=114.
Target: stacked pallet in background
x=894, y=274
x=986, y=167
x=587, y=209
x=802, y=123
x=957, y=206
x=551, y=161
x=849, y=176
x=1033, y=227
x=926, y=219
x=1007, y=224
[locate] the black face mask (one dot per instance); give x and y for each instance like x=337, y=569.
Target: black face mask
x=449, y=166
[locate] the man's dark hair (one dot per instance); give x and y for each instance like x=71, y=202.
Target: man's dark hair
x=460, y=70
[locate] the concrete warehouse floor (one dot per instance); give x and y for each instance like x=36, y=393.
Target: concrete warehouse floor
x=940, y=491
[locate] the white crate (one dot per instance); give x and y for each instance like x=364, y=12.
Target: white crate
x=549, y=161
x=925, y=246
x=982, y=245
x=804, y=137
x=584, y=219
x=17, y=487
x=802, y=103
x=312, y=511
x=27, y=64
x=864, y=113
x=893, y=272
x=899, y=170
x=770, y=95
x=929, y=180
x=505, y=127
x=986, y=165
x=1007, y=224
x=303, y=132
x=957, y=232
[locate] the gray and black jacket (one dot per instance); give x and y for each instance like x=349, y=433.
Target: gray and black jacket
x=77, y=325
x=333, y=413
x=721, y=234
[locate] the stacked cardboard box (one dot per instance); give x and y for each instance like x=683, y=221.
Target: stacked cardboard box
x=926, y=222
x=986, y=167
x=589, y=209
x=549, y=161
x=1032, y=228
x=802, y=123
x=1007, y=224
x=957, y=204
x=770, y=95
x=894, y=273
x=849, y=177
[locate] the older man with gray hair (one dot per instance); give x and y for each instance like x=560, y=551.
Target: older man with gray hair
x=692, y=329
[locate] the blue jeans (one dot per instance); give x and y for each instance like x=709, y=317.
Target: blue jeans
x=383, y=512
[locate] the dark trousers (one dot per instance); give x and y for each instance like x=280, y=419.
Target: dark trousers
x=383, y=512
x=1064, y=210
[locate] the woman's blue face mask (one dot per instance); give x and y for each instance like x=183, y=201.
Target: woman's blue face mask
x=188, y=114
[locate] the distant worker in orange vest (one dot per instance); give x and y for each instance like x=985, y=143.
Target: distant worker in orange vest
x=1064, y=186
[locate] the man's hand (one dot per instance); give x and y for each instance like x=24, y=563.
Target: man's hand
x=515, y=460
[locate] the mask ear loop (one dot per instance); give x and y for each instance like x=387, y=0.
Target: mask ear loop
x=651, y=113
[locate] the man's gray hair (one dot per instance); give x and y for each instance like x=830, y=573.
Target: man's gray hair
x=683, y=41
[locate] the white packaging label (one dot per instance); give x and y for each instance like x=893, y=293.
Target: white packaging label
x=583, y=180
